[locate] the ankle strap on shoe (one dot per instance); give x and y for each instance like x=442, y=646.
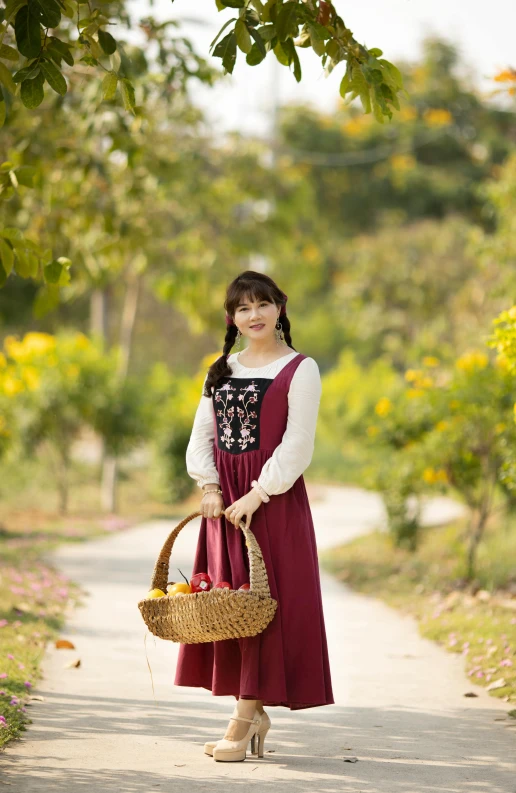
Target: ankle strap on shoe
x=242, y=718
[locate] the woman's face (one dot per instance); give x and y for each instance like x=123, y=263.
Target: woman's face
x=256, y=319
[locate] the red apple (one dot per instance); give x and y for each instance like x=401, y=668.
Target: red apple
x=245, y=586
x=201, y=582
x=222, y=585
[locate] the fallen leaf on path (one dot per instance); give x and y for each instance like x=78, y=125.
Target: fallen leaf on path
x=36, y=696
x=64, y=643
x=77, y=662
x=350, y=759
x=500, y=683
x=179, y=765
x=470, y=694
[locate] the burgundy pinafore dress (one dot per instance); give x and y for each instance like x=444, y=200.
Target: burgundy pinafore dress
x=287, y=663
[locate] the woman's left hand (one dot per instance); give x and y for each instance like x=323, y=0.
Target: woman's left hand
x=243, y=506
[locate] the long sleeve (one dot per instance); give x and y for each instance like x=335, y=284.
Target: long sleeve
x=200, y=461
x=293, y=455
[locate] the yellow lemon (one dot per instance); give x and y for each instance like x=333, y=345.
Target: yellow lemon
x=155, y=593
x=179, y=589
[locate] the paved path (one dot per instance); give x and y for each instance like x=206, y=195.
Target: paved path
x=399, y=705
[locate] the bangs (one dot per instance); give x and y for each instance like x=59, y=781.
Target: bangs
x=251, y=292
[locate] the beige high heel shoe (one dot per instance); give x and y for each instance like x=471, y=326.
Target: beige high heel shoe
x=231, y=751
x=256, y=740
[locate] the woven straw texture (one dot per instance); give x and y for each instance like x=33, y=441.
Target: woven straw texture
x=213, y=615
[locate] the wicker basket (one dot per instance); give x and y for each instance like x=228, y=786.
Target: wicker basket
x=213, y=615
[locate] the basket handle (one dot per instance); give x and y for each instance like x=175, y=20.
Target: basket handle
x=258, y=580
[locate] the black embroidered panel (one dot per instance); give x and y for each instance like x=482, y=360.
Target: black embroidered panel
x=237, y=404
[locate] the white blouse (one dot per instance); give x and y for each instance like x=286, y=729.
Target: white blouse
x=293, y=455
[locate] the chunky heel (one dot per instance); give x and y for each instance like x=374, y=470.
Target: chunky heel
x=258, y=739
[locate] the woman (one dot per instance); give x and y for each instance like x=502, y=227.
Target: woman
x=252, y=438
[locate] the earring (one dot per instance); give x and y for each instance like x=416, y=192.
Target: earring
x=279, y=332
x=238, y=339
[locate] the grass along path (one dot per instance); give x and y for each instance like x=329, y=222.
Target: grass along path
x=477, y=619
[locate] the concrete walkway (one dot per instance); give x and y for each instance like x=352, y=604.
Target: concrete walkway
x=400, y=707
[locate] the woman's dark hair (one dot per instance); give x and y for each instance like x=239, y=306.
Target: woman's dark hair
x=254, y=286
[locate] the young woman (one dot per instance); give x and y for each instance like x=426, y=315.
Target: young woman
x=252, y=438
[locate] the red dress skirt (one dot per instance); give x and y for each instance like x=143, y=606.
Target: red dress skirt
x=287, y=663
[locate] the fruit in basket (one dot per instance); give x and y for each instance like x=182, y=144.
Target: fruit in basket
x=222, y=585
x=245, y=587
x=155, y=593
x=179, y=589
x=201, y=582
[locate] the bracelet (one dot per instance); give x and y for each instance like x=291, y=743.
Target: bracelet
x=259, y=489
x=211, y=491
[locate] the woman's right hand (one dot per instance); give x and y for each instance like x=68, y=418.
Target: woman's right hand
x=212, y=506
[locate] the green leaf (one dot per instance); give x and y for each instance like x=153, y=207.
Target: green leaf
x=258, y=5
x=267, y=32
x=31, y=91
x=377, y=110
x=28, y=72
x=258, y=41
x=89, y=60
x=24, y=264
x=233, y=3
x=226, y=49
x=255, y=56
x=12, y=7
x=345, y=84
x=8, y=53
x=318, y=45
x=54, y=77
x=46, y=300
x=392, y=73
x=62, y=48
x=7, y=256
x=6, y=78
x=25, y=175
x=27, y=31
x=243, y=38
x=221, y=30
x=109, y=85
x=376, y=52
x=2, y=112
x=48, y=11
x=286, y=23
x=107, y=42
x=13, y=234
x=52, y=272
x=127, y=90
x=280, y=54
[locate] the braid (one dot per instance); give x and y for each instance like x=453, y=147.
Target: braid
x=221, y=368
x=285, y=324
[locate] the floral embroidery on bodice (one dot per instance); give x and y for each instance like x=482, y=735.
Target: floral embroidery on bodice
x=237, y=404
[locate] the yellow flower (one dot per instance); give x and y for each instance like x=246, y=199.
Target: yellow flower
x=472, y=360
x=429, y=475
x=412, y=374
x=500, y=427
x=3, y=360
x=82, y=342
x=413, y=393
x=430, y=360
x=402, y=162
x=442, y=425
x=38, y=343
x=437, y=117
x=424, y=382
x=512, y=312
x=383, y=406
x=31, y=377
x=11, y=385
